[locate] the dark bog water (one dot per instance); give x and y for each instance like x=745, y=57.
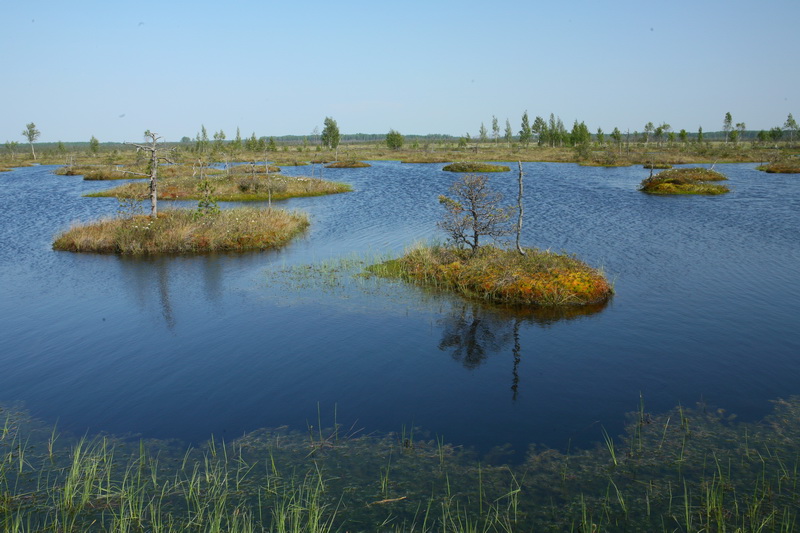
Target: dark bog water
x=706, y=308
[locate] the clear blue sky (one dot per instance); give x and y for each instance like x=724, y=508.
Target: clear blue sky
x=115, y=69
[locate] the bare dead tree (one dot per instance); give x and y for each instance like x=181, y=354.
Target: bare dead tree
x=154, y=149
x=520, y=210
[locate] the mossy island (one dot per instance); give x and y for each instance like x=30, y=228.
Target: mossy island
x=348, y=164
x=503, y=276
x=185, y=231
x=489, y=273
x=781, y=167
x=238, y=187
x=657, y=166
x=475, y=167
x=692, y=180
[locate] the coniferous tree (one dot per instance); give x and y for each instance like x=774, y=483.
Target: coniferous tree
x=525, y=131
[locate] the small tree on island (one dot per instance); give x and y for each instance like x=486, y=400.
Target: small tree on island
x=474, y=210
x=394, y=140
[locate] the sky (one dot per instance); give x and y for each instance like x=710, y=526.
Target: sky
x=112, y=70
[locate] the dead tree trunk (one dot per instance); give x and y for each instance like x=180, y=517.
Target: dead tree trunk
x=520, y=210
x=153, y=174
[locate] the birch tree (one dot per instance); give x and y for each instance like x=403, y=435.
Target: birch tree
x=31, y=133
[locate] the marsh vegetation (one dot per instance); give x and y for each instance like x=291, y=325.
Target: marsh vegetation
x=183, y=231
x=685, y=181
x=239, y=186
x=689, y=469
x=540, y=277
x=475, y=167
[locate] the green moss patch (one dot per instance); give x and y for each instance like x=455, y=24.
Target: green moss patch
x=685, y=181
x=541, y=278
x=475, y=167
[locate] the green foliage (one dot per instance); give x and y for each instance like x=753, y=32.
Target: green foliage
x=206, y=206
x=727, y=126
x=394, y=140
x=791, y=126
x=525, y=132
x=509, y=133
x=330, y=134
x=580, y=134
x=94, y=145
x=31, y=134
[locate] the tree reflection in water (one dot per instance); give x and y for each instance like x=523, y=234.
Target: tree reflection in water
x=472, y=331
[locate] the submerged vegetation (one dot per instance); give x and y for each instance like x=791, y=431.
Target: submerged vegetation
x=475, y=167
x=182, y=231
x=540, y=277
x=685, y=181
x=240, y=186
x=688, y=470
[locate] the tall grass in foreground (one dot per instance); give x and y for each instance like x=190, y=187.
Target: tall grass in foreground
x=501, y=275
x=181, y=231
x=688, y=470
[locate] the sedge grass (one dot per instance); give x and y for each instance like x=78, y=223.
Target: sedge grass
x=182, y=231
x=540, y=277
x=735, y=476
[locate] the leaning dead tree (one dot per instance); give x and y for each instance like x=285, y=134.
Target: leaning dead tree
x=154, y=149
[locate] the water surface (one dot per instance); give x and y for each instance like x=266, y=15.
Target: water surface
x=706, y=308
